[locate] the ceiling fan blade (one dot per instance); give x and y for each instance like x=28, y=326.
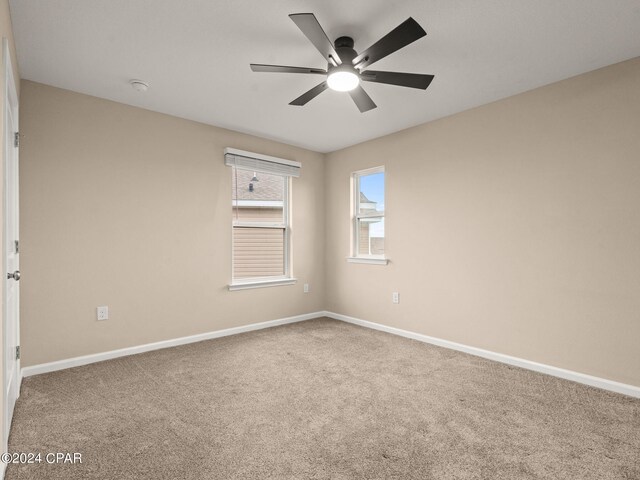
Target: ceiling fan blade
x=310, y=95
x=257, y=67
x=407, y=32
x=309, y=25
x=361, y=99
x=413, y=80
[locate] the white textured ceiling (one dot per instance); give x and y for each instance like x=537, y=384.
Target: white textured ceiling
x=195, y=54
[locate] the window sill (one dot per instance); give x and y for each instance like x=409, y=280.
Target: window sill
x=370, y=261
x=261, y=284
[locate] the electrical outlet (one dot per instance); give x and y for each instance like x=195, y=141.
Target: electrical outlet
x=306, y=288
x=103, y=313
x=395, y=297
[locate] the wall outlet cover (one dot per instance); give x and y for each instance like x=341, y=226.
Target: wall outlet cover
x=102, y=313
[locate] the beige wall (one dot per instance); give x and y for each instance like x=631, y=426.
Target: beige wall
x=527, y=213
x=132, y=209
x=526, y=210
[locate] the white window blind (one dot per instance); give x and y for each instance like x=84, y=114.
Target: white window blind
x=261, y=163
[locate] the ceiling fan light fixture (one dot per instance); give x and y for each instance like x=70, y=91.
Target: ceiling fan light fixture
x=343, y=80
x=346, y=68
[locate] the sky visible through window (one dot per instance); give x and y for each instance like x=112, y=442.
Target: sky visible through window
x=373, y=188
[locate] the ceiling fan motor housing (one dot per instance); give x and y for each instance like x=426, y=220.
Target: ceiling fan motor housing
x=344, y=49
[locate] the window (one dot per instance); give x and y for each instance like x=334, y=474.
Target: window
x=368, y=216
x=260, y=188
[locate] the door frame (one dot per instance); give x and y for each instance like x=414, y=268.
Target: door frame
x=10, y=100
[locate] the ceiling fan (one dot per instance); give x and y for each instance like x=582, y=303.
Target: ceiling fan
x=346, y=68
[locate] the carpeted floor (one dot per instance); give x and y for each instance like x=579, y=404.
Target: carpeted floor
x=321, y=399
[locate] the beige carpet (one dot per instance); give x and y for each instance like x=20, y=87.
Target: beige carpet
x=321, y=400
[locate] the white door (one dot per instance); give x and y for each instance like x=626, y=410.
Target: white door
x=11, y=247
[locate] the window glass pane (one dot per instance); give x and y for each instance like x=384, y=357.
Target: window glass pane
x=257, y=197
x=258, y=252
x=371, y=193
x=371, y=236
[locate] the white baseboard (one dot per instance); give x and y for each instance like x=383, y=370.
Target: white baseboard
x=99, y=357
x=598, y=382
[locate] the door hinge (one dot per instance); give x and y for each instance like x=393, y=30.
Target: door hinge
x=17, y=246
x=18, y=352
x=16, y=139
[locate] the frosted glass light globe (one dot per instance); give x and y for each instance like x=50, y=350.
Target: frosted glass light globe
x=343, y=81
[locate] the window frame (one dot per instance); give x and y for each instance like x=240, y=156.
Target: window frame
x=357, y=216
x=258, y=282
